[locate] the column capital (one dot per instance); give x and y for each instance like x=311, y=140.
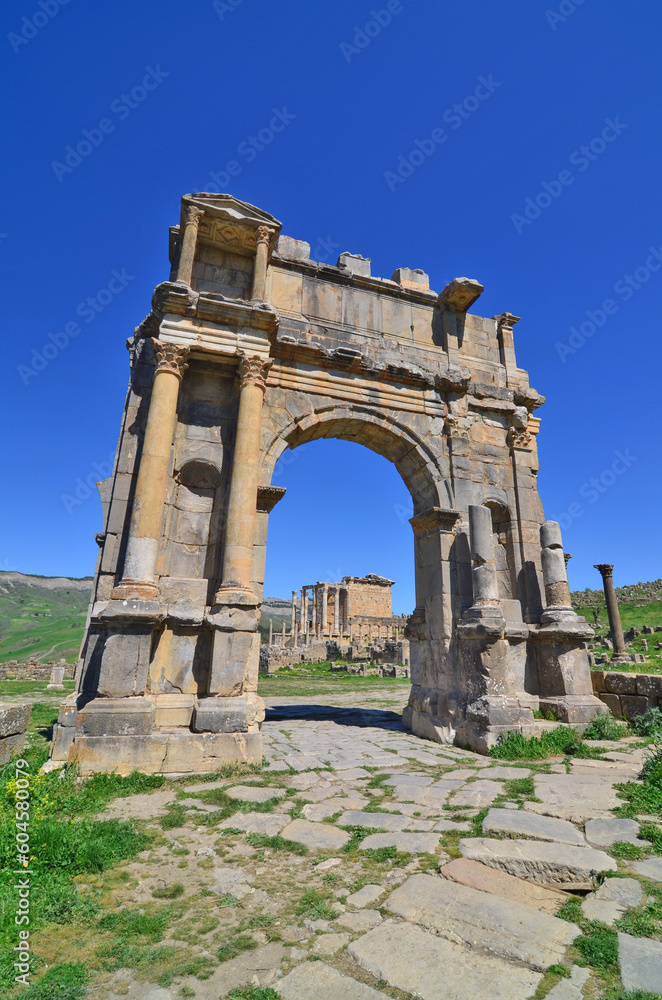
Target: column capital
x=605, y=569
x=170, y=357
x=264, y=233
x=193, y=215
x=253, y=370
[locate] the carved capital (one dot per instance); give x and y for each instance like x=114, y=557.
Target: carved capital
x=454, y=428
x=264, y=234
x=268, y=497
x=434, y=518
x=519, y=437
x=605, y=569
x=170, y=358
x=253, y=371
x=507, y=320
x=193, y=215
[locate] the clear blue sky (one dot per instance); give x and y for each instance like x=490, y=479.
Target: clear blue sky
x=358, y=97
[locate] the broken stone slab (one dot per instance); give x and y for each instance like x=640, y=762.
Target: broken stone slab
x=316, y=836
x=318, y=811
x=408, y=780
x=571, y=988
x=640, y=961
x=511, y=823
x=460, y=774
x=606, y=832
x=421, y=825
x=557, y=865
x=625, y=891
x=360, y=920
x=366, y=896
x=573, y=797
x=492, y=923
x=652, y=868
x=448, y=826
x=317, y=981
x=232, y=881
x=433, y=968
x=499, y=883
x=328, y=944
x=318, y=794
x=507, y=773
x=409, y=843
x=601, y=909
x=374, y=821
x=267, y=823
x=479, y=793
x=249, y=793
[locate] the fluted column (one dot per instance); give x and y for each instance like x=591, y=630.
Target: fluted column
x=264, y=234
x=240, y=523
x=336, y=611
x=606, y=571
x=139, y=580
x=189, y=241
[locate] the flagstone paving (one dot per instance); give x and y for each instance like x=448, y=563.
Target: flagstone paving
x=364, y=863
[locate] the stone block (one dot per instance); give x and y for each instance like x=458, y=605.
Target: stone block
x=63, y=737
x=171, y=710
x=560, y=866
x=124, y=663
x=166, y=753
x=13, y=718
x=408, y=843
x=598, y=681
x=232, y=654
x=632, y=705
x=116, y=717
x=220, y=715
x=267, y=823
x=9, y=745
x=613, y=703
x=316, y=836
x=650, y=686
x=68, y=713
x=504, y=927
x=617, y=683
x=366, y=896
x=355, y=263
x=499, y=883
x=518, y=823
x=606, y=832
x=423, y=965
x=640, y=961
x=374, y=820
x=315, y=980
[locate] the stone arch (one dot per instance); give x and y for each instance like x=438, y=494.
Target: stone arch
x=424, y=472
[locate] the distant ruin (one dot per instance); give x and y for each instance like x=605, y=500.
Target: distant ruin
x=251, y=348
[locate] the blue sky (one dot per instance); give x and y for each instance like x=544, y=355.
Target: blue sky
x=359, y=94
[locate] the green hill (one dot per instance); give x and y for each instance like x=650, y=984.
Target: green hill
x=640, y=605
x=42, y=617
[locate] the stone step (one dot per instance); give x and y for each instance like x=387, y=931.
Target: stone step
x=499, y=883
x=315, y=980
x=491, y=923
x=560, y=866
x=517, y=823
x=432, y=968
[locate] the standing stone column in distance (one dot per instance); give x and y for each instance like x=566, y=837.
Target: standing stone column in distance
x=304, y=610
x=325, y=608
x=483, y=569
x=555, y=574
x=240, y=524
x=336, y=610
x=314, y=600
x=294, y=612
x=138, y=580
x=264, y=234
x=189, y=240
x=606, y=571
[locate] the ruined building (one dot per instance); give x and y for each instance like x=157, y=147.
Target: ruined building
x=251, y=348
x=359, y=607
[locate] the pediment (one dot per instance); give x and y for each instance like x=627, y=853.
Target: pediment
x=229, y=223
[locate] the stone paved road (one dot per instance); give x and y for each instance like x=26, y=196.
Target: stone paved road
x=411, y=890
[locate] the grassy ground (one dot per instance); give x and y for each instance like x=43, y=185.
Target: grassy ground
x=310, y=679
x=38, y=622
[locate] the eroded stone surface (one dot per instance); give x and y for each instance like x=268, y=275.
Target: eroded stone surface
x=248, y=793
x=318, y=981
x=366, y=896
x=557, y=865
x=640, y=961
x=433, y=968
x=495, y=924
x=573, y=797
x=411, y=843
x=374, y=820
x=500, y=883
x=651, y=868
x=606, y=832
x=479, y=793
x=511, y=823
x=317, y=836
x=268, y=823
x=360, y=920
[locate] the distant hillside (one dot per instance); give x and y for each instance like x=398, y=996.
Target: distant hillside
x=640, y=604
x=277, y=610
x=42, y=617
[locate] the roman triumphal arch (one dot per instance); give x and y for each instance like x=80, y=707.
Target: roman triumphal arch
x=251, y=348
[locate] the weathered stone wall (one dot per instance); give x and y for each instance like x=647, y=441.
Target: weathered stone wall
x=14, y=720
x=274, y=657
x=627, y=695
x=33, y=670
x=372, y=600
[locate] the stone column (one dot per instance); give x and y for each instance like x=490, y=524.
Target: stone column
x=271, y=631
x=555, y=575
x=325, y=608
x=264, y=234
x=294, y=612
x=189, y=241
x=138, y=580
x=240, y=524
x=336, y=610
x=304, y=610
x=483, y=570
x=606, y=571
x=314, y=600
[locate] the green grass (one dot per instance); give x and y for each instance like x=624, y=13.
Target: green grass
x=234, y=947
x=564, y=740
x=315, y=904
x=254, y=993
x=173, y=891
x=598, y=946
x=643, y=798
x=276, y=843
x=34, y=619
x=62, y=982
x=605, y=727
